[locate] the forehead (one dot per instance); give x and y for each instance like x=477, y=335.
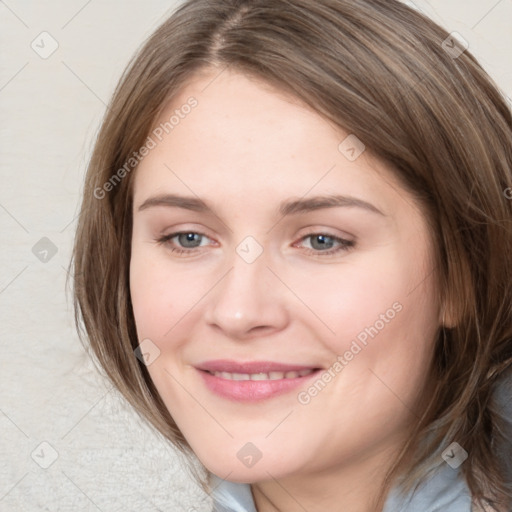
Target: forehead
x=245, y=138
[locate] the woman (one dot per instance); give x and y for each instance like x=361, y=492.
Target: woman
x=291, y=256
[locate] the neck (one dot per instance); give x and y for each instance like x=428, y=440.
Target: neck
x=353, y=487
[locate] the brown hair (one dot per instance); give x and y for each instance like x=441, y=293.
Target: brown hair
x=383, y=72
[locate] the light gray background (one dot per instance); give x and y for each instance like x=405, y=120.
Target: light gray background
x=50, y=110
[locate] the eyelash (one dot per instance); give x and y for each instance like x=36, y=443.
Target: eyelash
x=344, y=245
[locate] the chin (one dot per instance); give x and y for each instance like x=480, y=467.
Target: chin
x=238, y=471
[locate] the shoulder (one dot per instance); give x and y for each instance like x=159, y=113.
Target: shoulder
x=444, y=489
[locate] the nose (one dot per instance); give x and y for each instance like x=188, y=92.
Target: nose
x=248, y=301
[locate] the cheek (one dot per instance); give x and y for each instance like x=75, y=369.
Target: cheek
x=379, y=321
x=159, y=297
x=354, y=301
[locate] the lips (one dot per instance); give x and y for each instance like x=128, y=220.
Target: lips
x=254, y=380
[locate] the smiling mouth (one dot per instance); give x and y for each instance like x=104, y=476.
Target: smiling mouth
x=253, y=381
x=255, y=370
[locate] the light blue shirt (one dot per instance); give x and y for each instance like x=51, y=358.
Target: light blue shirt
x=444, y=491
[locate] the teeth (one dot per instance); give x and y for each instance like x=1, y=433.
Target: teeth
x=259, y=376
x=262, y=376
x=238, y=376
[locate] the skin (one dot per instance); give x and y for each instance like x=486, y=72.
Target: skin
x=244, y=149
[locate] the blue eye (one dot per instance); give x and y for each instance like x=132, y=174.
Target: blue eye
x=188, y=240
x=321, y=244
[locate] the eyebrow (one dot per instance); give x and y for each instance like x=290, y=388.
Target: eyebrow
x=286, y=208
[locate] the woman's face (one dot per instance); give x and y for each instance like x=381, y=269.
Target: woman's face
x=290, y=326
